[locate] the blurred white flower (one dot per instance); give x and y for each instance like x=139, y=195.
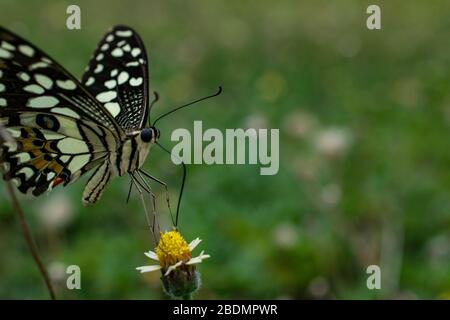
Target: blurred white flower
x=319, y=287
x=57, y=212
x=298, y=124
x=307, y=168
x=330, y=195
x=286, y=235
x=256, y=121
x=333, y=142
x=57, y=271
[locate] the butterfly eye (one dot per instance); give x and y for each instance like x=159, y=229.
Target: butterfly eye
x=146, y=135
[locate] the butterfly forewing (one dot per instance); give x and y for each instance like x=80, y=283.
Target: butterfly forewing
x=31, y=79
x=117, y=76
x=61, y=130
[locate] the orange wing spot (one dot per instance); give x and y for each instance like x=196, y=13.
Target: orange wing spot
x=55, y=167
x=39, y=163
x=27, y=145
x=48, y=147
x=34, y=153
x=57, y=182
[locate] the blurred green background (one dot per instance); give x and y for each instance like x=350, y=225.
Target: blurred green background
x=364, y=119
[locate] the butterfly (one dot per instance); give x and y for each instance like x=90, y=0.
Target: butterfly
x=63, y=127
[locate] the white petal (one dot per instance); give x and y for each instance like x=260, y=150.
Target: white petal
x=173, y=267
x=148, y=268
x=194, y=243
x=195, y=260
x=151, y=255
x=198, y=259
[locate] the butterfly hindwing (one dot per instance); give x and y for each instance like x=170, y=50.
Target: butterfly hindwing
x=97, y=183
x=50, y=149
x=117, y=76
x=61, y=130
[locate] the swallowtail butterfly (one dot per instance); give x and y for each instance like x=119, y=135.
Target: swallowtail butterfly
x=64, y=128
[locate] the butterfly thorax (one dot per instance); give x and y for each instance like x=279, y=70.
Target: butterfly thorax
x=131, y=154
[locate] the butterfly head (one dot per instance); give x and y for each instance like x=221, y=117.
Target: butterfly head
x=150, y=135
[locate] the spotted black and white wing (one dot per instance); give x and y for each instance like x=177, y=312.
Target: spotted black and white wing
x=31, y=80
x=117, y=76
x=50, y=149
x=61, y=130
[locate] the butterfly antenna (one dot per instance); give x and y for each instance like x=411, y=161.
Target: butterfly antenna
x=187, y=104
x=183, y=182
x=155, y=99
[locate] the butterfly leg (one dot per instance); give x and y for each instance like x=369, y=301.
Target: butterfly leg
x=165, y=187
x=155, y=220
x=129, y=191
x=143, y=186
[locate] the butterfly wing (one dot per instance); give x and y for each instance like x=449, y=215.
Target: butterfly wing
x=119, y=65
x=50, y=149
x=61, y=131
x=31, y=80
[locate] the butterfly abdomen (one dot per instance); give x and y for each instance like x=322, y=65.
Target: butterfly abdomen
x=129, y=156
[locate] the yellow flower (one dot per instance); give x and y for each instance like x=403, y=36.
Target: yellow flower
x=173, y=252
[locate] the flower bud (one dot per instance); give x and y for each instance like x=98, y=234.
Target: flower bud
x=181, y=283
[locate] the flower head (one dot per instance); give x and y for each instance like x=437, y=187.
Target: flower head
x=172, y=249
x=174, y=255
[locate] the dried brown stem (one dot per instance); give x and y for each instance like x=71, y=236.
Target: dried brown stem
x=29, y=239
x=25, y=228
